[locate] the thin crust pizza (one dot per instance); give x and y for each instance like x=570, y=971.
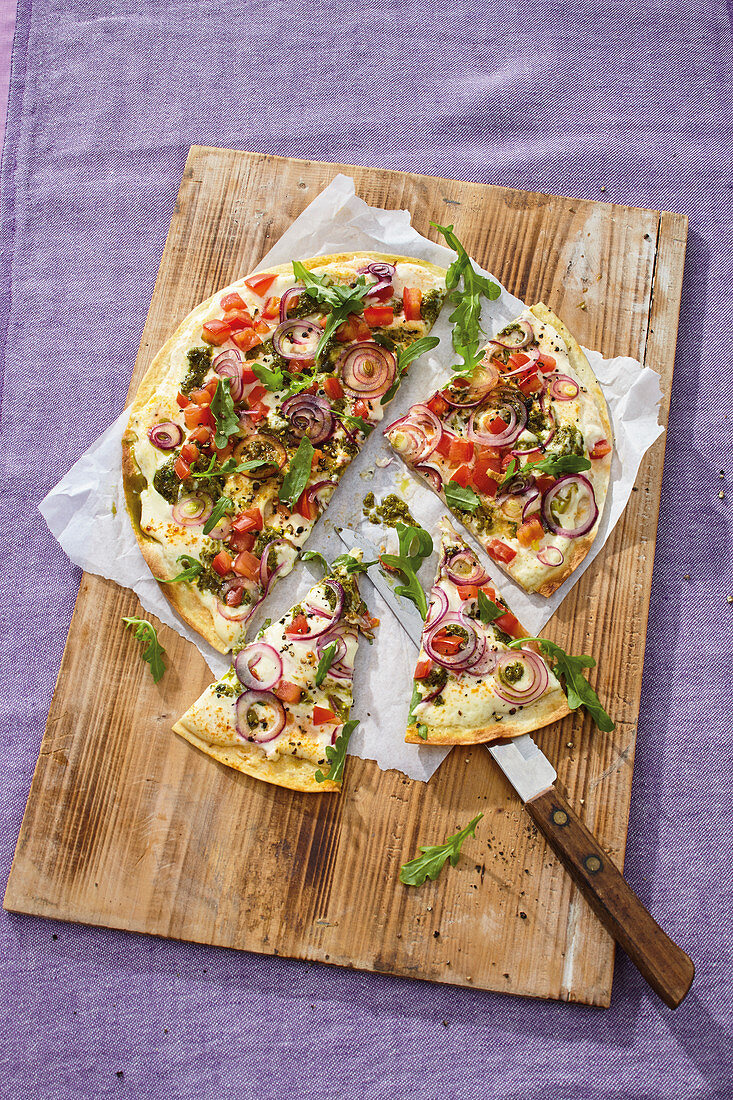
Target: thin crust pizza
x=520, y=451
x=250, y=413
x=470, y=686
x=285, y=702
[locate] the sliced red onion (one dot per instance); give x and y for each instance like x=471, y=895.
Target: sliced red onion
x=383, y=273
x=228, y=364
x=267, y=577
x=432, y=475
x=416, y=435
x=551, y=555
x=537, y=669
x=532, y=502
x=465, y=568
x=483, y=381
x=564, y=483
x=470, y=650
x=293, y=292
x=166, y=436
x=486, y=663
x=237, y=614
x=367, y=369
x=525, y=336
x=297, y=339
x=563, y=388
x=313, y=492
x=245, y=710
x=193, y=510
x=437, y=607
x=338, y=668
x=532, y=354
x=267, y=675
x=309, y=415
x=516, y=423
x=329, y=615
x=221, y=530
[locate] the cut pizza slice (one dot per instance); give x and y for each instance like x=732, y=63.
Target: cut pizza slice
x=281, y=713
x=470, y=687
x=250, y=414
x=520, y=451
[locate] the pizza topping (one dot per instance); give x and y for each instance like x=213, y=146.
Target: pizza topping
x=259, y=666
x=384, y=273
x=573, y=493
x=551, y=555
x=166, y=436
x=215, y=332
x=501, y=422
x=432, y=475
x=297, y=339
x=463, y=567
x=417, y=434
x=335, y=664
x=228, y=364
x=260, y=716
x=522, y=677
x=310, y=415
x=563, y=388
x=367, y=369
x=192, y=510
x=516, y=335
x=260, y=284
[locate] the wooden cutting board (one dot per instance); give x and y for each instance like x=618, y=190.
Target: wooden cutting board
x=130, y=827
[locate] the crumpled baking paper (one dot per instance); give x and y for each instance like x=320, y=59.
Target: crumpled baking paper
x=86, y=510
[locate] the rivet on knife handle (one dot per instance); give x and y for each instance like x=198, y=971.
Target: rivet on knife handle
x=665, y=966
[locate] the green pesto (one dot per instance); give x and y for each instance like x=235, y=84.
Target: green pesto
x=437, y=677
x=226, y=689
x=390, y=512
x=567, y=440
x=431, y=306
x=513, y=673
x=134, y=486
x=536, y=421
x=305, y=307
x=199, y=361
x=407, y=333
x=166, y=481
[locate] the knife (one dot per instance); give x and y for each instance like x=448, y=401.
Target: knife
x=664, y=965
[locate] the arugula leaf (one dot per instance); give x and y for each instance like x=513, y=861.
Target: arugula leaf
x=431, y=862
x=325, y=663
x=355, y=422
x=298, y=473
x=313, y=555
x=458, y=497
x=231, y=466
x=404, y=358
x=351, y=564
x=222, y=506
x=336, y=754
x=153, y=653
x=193, y=568
x=343, y=300
x=416, y=698
x=555, y=465
x=415, y=546
x=273, y=379
x=577, y=688
x=422, y=731
x=466, y=317
x=222, y=408
x=487, y=609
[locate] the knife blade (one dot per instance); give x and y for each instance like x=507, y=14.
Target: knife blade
x=403, y=610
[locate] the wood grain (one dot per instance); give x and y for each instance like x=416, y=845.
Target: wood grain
x=128, y=826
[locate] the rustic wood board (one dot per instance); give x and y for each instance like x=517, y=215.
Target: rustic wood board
x=130, y=827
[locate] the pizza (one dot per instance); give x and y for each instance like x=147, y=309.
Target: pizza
x=286, y=699
x=470, y=686
x=520, y=450
x=251, y=412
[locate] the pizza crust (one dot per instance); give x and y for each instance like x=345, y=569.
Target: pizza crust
x=550, y=708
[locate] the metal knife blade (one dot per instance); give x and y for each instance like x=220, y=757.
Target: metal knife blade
x=403, y=610
x=525, y=766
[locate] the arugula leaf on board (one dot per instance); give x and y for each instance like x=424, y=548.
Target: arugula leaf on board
x=298, y=473
x=222, y=409
x=343, y=300
x=344, y=561
x=577, y=688
x=415, y=546
x=222, y=506
x=153, y=652
x=487, y=609
x=192, y=570
x=431, y=862
x=325, y=663
x=458, y=497
x=404, y=358
x=466, y=317
x=336, y=754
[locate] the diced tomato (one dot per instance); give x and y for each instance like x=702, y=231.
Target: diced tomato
x=224, y=452
x=260, y=284
x=444, y=445
x=181, y=468
x=361, y=329
x=246, y=339
x=299, y=625
x=362, y=409
x=545, y=482
x=200, y=397
x=182, y=400
x=241, y=540
x=212, y=385
x=316, y=458
x=509, y=624
x=238, y=319
x=248, y=375
x=500, y=552
x=546, y=363
x=271, y=309
x=248, y=520
x=232, y=301
x=346, y=331
x=333, y=388
x=322, y=715
x=462, y=476
x=195, y=415
x=256, y=394
x=247, y=565
x=305, y=507
x=518, y=359
x=222, y=563
x=486, y=460
x=438, y=405
x=529, y=531
x=234, y=594
x=446, y=644
x=257, y=412
x=461, y=450
x=497, y=426
x=201, y=435
x=491, y=593
x=484, y=483
x=412, y=301
x=287, y=692
x=468, y=591
x=601, y=449
x=506, y=459
x=262, y=328
x=189, y=453
x=422, y=670
x=215, y=332
x=531, y=384
x=379, y=316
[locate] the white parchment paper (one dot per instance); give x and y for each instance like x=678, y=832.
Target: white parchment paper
x=86, y=510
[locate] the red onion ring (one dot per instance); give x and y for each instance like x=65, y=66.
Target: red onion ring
x=166, y=436
x=249, y=699
x=563, y=388
x=312, y=492
x=383, y=273
x=309, y=415
x=532, y=502
x=470, y=650
x=475, y=574
x=331, y=615
x=237, y=614
x=527, y=336
x=367, y=369
x=483, y=380
x=421, y=432
x=267, y=577
x=228, y=364
x=192, y=510
x=539, y=682
x=566, y=482
x=432, y=475
x=293, y=292
x=251, y=656
x=516, y=425
x=435, y=612
x=551, y=555
x=297, y=339
x=221, y=530
x=338, y=669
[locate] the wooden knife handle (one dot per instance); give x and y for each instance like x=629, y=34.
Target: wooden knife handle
x=665, y=966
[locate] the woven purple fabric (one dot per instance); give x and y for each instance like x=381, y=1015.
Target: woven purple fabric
x=570, y=97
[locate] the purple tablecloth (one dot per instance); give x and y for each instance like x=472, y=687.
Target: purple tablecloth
x=624, y=100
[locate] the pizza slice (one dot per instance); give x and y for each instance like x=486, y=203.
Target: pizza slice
x=470, y=687
x=520, y=451
x=251, y=412
x=281, y=713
